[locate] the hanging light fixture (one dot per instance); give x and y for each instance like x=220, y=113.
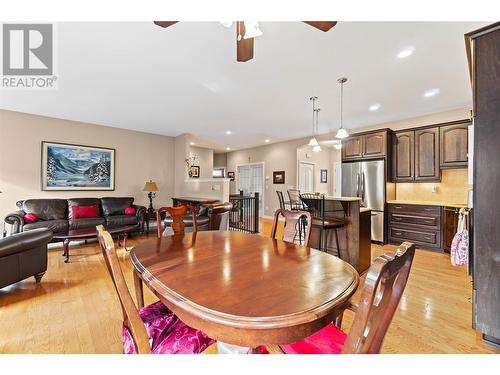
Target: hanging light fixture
x=342, y=133
x=313, y=142
x=317, y=148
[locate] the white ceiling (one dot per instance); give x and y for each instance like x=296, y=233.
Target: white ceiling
x=185, y=79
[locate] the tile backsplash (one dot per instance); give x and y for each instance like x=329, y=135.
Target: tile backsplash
x=452, y=188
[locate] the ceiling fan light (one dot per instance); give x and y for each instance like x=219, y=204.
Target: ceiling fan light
x=317, y=148
x=313, y=142
x=251, y=29
x=341, y=133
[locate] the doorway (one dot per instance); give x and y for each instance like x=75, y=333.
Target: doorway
x=250, y=179
x=306, y=177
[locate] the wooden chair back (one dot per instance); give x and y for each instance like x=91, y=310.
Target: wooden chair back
x=292, y=224
x=281, y=199
x=177, y=213
x=131, y=318
x=384, y=285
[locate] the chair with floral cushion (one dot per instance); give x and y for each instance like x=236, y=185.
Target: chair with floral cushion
x=384, y=285
x=154, y=328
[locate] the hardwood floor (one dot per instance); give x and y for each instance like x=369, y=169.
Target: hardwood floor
x=75, y=308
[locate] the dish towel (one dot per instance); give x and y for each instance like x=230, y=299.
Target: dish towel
x=459, y=253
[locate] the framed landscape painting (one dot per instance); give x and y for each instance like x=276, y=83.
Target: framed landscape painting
x=76, y=167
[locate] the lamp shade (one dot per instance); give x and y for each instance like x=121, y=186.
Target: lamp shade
x=313, y=142
x=342, y=133
x=150, y=186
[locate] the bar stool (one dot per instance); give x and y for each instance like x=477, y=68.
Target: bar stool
x=323, y=219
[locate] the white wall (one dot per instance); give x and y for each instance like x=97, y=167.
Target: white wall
x=139, y=158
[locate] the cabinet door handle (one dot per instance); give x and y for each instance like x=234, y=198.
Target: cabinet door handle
x=398, y=207
x=398, y=233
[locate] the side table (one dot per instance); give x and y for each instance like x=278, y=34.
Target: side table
x=147, y=216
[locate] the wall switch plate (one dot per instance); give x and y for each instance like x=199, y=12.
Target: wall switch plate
x=216, y=187
x=434, y=189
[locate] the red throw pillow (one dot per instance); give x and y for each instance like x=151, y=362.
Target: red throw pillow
x=84, y=212
x=130, y=211
x=30, y=218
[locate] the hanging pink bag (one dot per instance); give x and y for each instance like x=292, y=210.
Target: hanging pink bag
x=459, y=253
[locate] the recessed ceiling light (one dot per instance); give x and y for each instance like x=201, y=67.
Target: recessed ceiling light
x=374, y=107
x=191, y=143
x=406, y=52
x=431, y=93
x=267, y=141
x=229, y=132
x=228, y=148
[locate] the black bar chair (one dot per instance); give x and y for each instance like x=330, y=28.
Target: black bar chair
x=295, y=201
x=323, y=217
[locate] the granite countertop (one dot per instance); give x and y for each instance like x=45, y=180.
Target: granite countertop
x=364, y=209
x=427, y=203
x=343, y=199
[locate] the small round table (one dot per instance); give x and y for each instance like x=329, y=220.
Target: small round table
x=245, y=289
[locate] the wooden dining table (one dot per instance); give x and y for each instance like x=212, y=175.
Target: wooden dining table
x=245, y=289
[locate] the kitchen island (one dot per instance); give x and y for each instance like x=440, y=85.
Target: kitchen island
x=354, y=236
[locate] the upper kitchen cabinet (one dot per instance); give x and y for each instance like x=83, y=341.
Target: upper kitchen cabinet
x=427, y=154
x=365, y=146
x=453, y=145
x=403, y=158
x=352, y=148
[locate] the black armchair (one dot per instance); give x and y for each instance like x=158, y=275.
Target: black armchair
x=23, y=255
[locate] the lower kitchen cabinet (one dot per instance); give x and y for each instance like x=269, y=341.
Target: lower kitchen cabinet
x=419, y=224
x=450, y=217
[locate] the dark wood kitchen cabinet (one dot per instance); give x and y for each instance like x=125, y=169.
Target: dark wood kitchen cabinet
x=450, y=218
x=483, y=47
x=403, y=158
x=369, y=145
x=427, y=154
x=352, y=148
x=375, y=144
x=453, y=145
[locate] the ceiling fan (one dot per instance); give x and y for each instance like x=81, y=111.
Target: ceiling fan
x=244, y=44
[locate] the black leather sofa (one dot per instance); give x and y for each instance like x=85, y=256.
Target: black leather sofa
x=56, y=214
x=23, y=255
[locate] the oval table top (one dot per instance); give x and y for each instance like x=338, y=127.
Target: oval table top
x=245, y=289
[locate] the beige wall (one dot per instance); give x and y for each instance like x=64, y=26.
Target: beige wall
x=321, y=160
x=220, y=160
x=139, y=157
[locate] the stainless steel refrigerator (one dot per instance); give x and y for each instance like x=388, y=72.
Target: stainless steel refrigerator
x=366, y=180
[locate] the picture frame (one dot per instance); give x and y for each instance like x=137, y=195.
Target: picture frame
x=74, y=167
x=230, y=175
x=195, y=171
x=278, y=177
x=324, y=176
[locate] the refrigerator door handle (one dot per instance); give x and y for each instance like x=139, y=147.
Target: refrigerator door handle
x=357, y=184
x=363, y=187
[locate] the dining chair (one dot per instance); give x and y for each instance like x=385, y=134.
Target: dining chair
x=177, y=214
x=281, y=199
x=294, y=198
x=151, y=329
x=218, y=215
x=323, y=217
x=294, y=227
x=382, y=290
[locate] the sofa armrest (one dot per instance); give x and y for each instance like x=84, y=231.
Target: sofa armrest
x=139, y=212
x=20, y=242
x=16, y=219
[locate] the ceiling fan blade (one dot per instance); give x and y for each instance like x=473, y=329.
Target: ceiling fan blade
x=322, y=25
x=165, y=23
x=244, y=47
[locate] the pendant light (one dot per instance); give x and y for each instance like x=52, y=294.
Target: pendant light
x=317, y=148
x=342, y=133
x=313, y=142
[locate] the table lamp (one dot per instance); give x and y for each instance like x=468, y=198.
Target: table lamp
x=151, y=188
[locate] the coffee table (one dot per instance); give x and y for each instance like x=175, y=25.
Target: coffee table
x=88, y=233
